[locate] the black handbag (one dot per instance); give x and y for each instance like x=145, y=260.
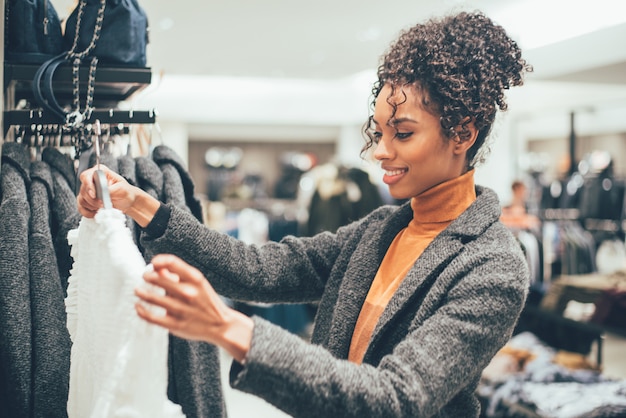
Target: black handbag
x=32, y=31
x=114, y=31
x=42, y=86
x=123, y=37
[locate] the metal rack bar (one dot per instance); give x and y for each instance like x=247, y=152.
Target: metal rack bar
x=110, y=116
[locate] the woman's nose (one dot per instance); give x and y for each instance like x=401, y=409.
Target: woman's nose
x=382, y=150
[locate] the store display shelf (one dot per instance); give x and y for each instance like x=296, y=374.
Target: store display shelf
x=113, y=84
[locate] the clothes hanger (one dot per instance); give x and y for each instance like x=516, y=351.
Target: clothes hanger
x=102, y=187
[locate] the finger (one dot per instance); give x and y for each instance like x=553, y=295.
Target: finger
x=172, y=285
x=176, y=265
x=88, y=213
x=87, y=186
x=85, y=207
x=88, y=198
x=112, y=176
x=172, y=306
x=164, y=321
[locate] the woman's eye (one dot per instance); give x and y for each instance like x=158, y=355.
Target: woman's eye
x=376, y=136
x=403, y=135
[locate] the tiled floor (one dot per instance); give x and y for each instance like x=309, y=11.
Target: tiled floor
x=243, y=405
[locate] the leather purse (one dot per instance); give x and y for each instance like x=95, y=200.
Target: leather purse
x=123, y=36
x=111, y=31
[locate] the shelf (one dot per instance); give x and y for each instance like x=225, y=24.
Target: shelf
x=113, y=84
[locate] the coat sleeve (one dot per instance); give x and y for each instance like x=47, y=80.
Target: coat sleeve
x=292, y=270
x=427, y=370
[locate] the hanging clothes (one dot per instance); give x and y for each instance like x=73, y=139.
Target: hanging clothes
x=150, y=179
x=341, y=195
x=178, y=184
x=602, y=197
x=65, y=215
x=38, y=208
x=118, y=361
x=127, y=169
x=193, y=365
x=50, y=338
x=533, y=252
x=568, y=248
x=15, y=314
x=149, y=176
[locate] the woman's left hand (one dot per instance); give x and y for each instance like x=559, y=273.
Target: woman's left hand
x=193, y=310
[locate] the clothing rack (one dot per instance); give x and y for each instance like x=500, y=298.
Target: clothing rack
x=605, y=225
x=39, y=128
x=28, y=117
x=561, y=214
x=50, y=135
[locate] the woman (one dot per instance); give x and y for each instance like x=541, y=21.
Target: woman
x=414, y=300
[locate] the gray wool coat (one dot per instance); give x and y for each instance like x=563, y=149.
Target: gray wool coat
x=51, y=344
x=192, y=365
x=16, y=364
x=456, y=307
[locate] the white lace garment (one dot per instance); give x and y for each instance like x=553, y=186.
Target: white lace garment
x=118, y=363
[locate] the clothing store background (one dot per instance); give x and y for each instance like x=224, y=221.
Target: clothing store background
x=284, y=71
x=265, y=79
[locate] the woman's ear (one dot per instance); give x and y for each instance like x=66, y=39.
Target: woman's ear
x=466, y=134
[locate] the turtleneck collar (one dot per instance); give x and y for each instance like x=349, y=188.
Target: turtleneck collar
x=444, y=202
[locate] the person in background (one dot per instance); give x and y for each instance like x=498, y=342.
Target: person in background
x=414, y=300
x=515, y=215
x=520, y=194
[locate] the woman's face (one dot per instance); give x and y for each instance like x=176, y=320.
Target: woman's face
x=411, y=148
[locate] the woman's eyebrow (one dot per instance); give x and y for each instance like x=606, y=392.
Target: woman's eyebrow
x=398, y=121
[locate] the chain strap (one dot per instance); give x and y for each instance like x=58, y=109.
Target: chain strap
x=96, y=32
x=76, y=118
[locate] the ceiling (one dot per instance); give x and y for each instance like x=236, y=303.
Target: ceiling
x=329, y=39
x=282, y=38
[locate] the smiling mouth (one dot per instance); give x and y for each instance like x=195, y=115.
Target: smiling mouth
x=396, y=172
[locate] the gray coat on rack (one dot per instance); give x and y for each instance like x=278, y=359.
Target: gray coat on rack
x=126, y=169
x=150, y=179
x=15, y=311
x=149, y=176
x=51, y=343
x=194, y=368
x=65, y=215
x=456, y=307
x=177, y=182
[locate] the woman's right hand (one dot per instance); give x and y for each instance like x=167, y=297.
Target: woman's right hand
x=129, y=199
x=122, y=193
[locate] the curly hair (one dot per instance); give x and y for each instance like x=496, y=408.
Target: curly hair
x=462, y=64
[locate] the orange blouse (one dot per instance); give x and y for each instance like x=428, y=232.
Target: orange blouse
x=433, y=211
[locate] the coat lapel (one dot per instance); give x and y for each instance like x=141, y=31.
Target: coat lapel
x=358, y=278
x=368, y=255
x=419, y=280
x=446, y=246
